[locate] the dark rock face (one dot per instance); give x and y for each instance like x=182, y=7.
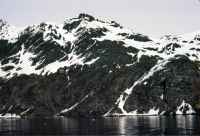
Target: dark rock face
x=173, y=84
x=48, y=95
x=89, y=67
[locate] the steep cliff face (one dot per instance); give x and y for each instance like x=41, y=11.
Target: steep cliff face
x=92, y=67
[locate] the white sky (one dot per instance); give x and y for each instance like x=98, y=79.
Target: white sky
x=151, y=17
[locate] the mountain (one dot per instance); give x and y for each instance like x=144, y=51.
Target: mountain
x=94, y=67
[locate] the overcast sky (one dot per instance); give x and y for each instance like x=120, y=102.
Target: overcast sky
x=151, y=17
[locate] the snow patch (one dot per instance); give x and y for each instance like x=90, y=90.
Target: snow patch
x=56, y=33
x=8, y=32
x=145, y=83
x=9, y=115
x=24, y=64
x=162, y=96
x=152, y=112
x=185, y=108
x=121, y=101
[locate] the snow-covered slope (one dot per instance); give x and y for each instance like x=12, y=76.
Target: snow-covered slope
x=8, y=32
x=74, y=30
x=94, y=47
x=66, y=35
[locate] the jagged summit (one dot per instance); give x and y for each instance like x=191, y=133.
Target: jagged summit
x=2, y=23
x=3, y=28
x=86, y=17
x=9, y=32
x=185, y=38
x=195, y=36
x=90, y=18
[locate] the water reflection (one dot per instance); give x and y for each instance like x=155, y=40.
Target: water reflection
x=135, y=125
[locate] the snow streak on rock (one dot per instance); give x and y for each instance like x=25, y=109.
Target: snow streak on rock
x=124, y=96
x=64, y=111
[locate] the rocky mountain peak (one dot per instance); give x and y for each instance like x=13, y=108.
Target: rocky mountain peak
x=2, y=24
x=86, y=17
x=88, y=66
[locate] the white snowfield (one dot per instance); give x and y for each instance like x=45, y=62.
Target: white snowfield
x=165, y=48
x=9, y=115
x=8, y=32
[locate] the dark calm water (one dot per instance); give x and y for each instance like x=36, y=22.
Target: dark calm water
x=136, y=125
